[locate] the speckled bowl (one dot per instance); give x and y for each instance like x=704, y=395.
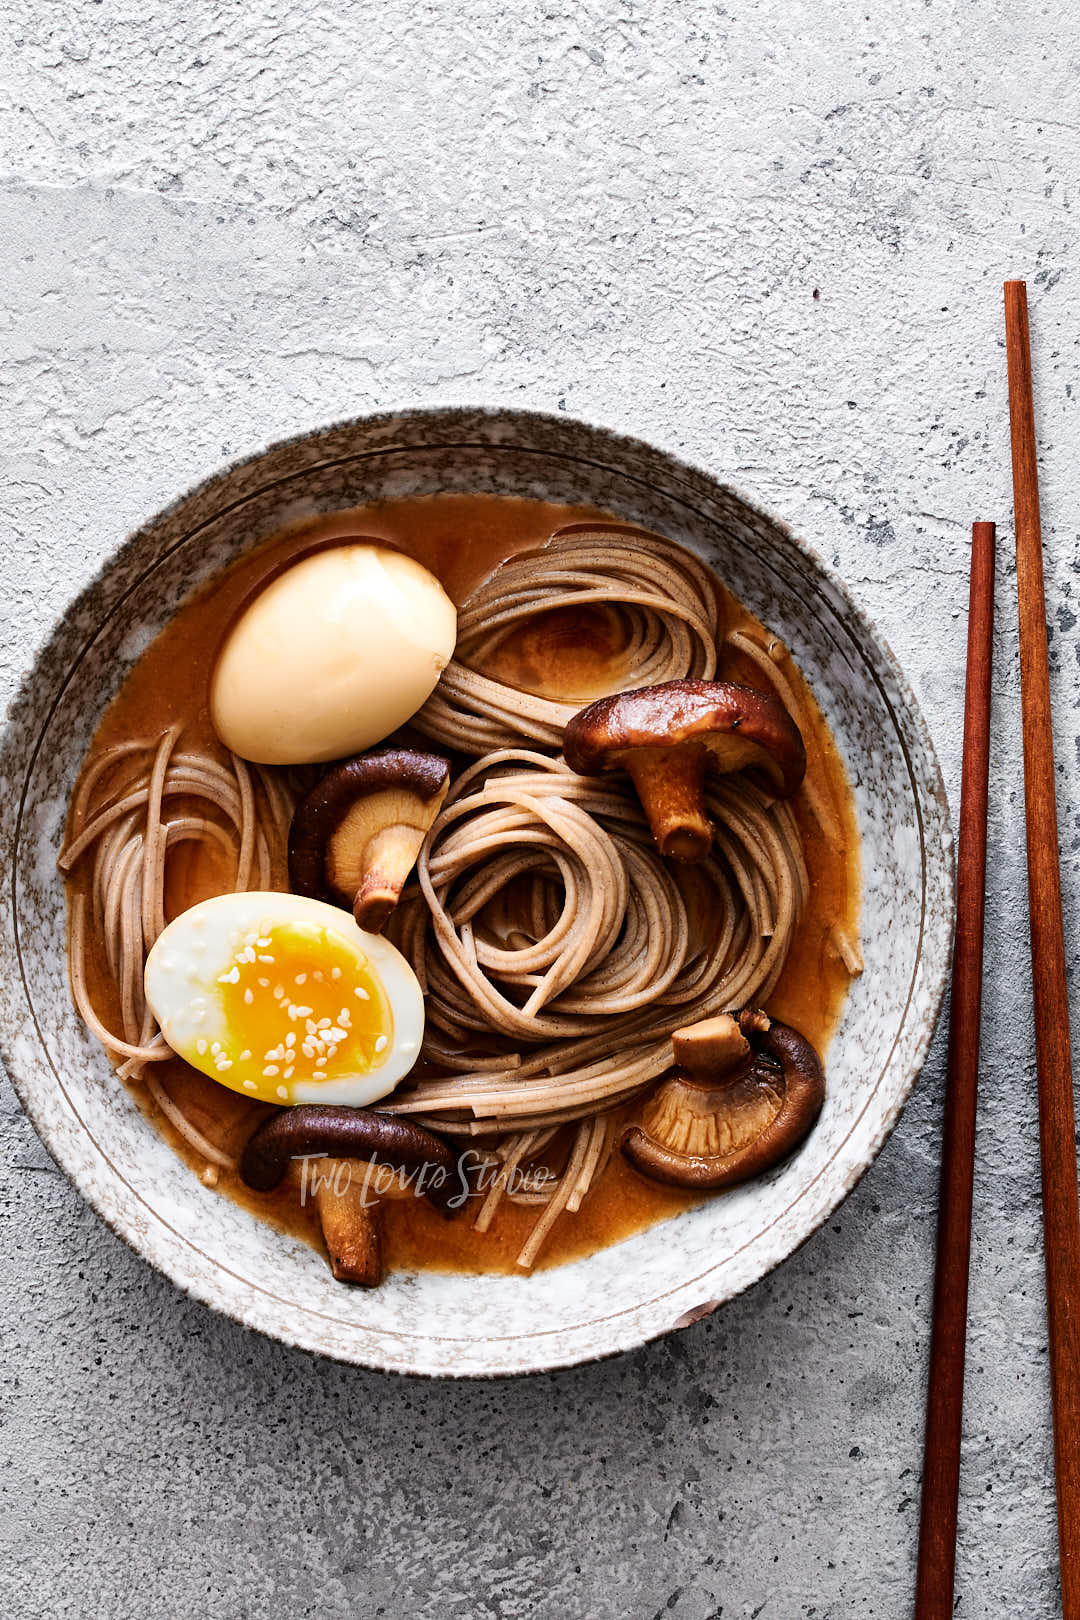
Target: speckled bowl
x=661, y=1279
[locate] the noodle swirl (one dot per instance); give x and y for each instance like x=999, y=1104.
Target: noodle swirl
x=666, y=598
x=545, y=922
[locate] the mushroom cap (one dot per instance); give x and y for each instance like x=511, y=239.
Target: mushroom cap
x=737, y=725
x=719, y=1125
x=315, y=1129
x=361, y=827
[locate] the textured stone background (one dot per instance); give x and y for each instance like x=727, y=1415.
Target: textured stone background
x=221, y=223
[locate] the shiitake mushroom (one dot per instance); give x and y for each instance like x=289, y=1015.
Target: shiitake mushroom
x=666, y=737
x=355, y=837
x=348, y=1213
x=746, y=1092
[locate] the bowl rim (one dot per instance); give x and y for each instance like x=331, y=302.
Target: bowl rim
x=928, y=794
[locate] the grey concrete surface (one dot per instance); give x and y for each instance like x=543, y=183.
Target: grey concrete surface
x=773, y=236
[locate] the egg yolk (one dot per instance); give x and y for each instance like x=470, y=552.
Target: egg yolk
x=300, y=1004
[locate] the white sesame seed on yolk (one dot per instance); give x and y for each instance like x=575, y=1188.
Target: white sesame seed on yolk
x=262, y=1016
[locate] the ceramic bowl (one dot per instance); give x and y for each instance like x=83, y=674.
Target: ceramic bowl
x=660, y=1279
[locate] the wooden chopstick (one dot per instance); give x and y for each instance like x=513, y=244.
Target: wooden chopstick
x=1053, y=1054
x=945, y=1397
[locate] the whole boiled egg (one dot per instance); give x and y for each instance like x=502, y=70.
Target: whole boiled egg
x=286, y=1000
x=338, y=651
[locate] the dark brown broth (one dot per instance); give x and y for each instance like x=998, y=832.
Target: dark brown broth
x=460, y=538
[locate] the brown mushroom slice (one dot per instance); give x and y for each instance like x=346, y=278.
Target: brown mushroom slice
x=728, y=1112
x=317, y=1130
x=668, y=736
x=355, y=837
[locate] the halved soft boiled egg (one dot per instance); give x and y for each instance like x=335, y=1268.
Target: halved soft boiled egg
x=286, y=1000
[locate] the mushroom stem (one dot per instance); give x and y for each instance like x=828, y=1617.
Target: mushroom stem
x=670, y=783
x=710, y=1049
x=375, y=900
x=351, y=1227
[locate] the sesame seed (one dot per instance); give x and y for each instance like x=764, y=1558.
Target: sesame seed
x=249, y=1085
x=246, y=955
x=323, y=1023
x=320, y=1062
x=381, y=1044
x=224, y=1063
x=310, y=1026
x=264, y=984
x=359, y=991
x=282, y=1091
x=232, y=977
x=335, y=973
x=200, y=1047
x=308, y=1050
x=331, y=1051
x=304, y=1012
x=249, y=997
x=265, y=939
x=263, y=958
x=271, y=1068
x=279, y=991
x=301, y=978
x=215, y=1049
x=290, y=1040
x=289, y=1071
x=317, y=975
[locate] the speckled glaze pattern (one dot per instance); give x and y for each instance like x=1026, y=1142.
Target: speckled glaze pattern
x=665, y=1278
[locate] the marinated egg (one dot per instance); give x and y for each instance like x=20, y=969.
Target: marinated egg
x=332, y=656
x=286, y=1000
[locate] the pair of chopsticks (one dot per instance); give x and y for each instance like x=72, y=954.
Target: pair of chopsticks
x=1057, y=1129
